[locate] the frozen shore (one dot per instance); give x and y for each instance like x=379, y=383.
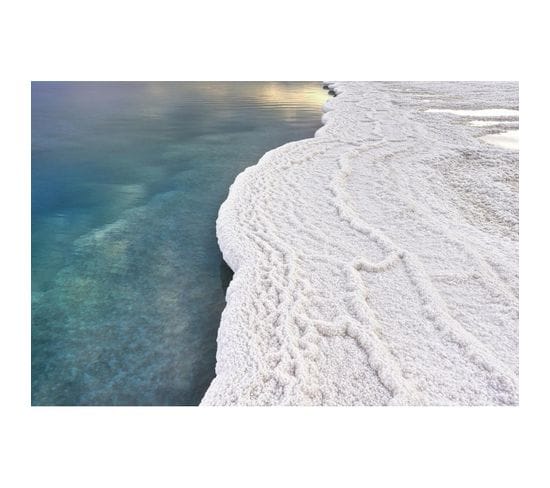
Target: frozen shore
x=376, y=263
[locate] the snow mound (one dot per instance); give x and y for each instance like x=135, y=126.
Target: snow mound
x=376, y=263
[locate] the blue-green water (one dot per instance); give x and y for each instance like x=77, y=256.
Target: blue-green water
x=128, y=283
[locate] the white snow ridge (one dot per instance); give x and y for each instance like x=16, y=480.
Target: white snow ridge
x=376, y=263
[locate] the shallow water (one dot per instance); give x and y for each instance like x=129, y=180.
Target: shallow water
x=507, y=140
x=128, y=283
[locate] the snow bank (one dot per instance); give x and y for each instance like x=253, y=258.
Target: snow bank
x=377, y=263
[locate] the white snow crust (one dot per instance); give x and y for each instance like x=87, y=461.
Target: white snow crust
x=487, y=123
x=508, y=139
x=376, y=263
x=487, y=112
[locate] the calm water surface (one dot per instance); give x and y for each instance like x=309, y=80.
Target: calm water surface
x=128, y=283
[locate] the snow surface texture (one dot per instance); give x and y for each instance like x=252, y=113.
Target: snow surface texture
x=376, y=263
x=508, y=139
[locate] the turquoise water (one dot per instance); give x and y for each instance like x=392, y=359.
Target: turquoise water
x=128, y=282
